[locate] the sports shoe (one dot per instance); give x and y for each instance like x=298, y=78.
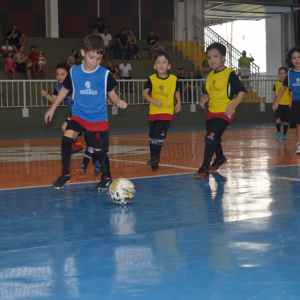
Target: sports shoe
x=202, y=173
x=103, y=184
x=61, y=181
x=277, y=136
x=81, y=170
x=284, y=137
x=154, y=160
x=77, y=148
x=217, y=164
x=97, y=167
x=298, y=148
x=155, y=167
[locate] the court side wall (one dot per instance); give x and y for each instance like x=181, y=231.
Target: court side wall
x=11, y=120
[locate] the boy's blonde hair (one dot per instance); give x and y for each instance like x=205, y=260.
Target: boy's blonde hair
x=94, y=42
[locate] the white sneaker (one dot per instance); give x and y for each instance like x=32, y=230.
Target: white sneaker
x=298, y=148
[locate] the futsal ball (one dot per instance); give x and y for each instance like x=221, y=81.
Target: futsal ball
x=121, y=191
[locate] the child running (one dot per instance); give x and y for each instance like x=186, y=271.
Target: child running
x=62, y=70
x=9, y=64
x=89, y=83
x=292, y=81
x=163, y=87
x=224, y=91
x=282, y=112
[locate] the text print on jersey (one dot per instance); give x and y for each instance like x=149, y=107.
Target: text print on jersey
x=88, y=91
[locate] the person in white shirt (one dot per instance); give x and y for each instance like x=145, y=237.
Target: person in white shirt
x=125, y=72
x=107, y=39
x=5, y=48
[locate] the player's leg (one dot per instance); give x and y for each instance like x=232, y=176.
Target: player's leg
x=34, y=67
x=278, y=118
x=286, y=120
x=220, y=157
x=215, y=130
x=71, y=133
x=44, y=71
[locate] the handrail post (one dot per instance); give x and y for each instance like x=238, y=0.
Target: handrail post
x=24, y=94
x=195, y=60
x=188, y=40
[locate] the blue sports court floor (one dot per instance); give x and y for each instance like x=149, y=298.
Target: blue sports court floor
x=233, y=236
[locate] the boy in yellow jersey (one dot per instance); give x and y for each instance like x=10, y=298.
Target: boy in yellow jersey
x=224, y=91
x=282, y=112
x=162, y=88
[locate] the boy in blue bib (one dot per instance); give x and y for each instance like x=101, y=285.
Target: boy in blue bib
x=89, y=83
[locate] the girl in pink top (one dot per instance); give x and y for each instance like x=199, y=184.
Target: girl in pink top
x=9, y=64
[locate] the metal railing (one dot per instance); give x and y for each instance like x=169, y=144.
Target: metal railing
x=27, y=93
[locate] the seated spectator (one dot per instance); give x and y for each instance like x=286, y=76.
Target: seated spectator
x=22, y=62
x=153, y=43
x=193, y=87
x=112, y=70
x=125, y=72
x=72, y=58
x=5, y=48
x=102, y=62
x=13, y=36
x=42, y=63
x=33, y=58
x=9, y=64
x=99, y=26
x=122, y=43
x=132, y=41
x=107, y=39
x=182, y=84
x=205, y=70
x=78, y=61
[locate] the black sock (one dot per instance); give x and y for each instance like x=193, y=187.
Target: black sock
x=219, y=151
x=157, y=150
x=94, y=158
x=104, y=161
x=285, y=128
x=278, y=127
x=208, y=154
x=89, y=152
x=66, y=151
x=152, y=146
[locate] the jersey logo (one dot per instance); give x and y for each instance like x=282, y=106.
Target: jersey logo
x=161, y=87
x=88, y=91
x=211, y=136
x=88, y=85
x=213, y=82
x=298, y=80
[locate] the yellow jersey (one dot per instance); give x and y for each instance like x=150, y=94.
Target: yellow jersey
x=285, y=98
x=163, y=90
x=217, y=89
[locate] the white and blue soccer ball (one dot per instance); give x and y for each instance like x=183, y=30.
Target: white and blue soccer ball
x=121, y=191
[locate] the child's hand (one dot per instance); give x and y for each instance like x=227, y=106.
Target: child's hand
x=122, y=104
x=49, y=114
x=177, y=108
x=290, y=105
x=157, y=103
x=108, y=101
x=44, y=93
x=275, y=106
x=202, y=103
x=230, y=110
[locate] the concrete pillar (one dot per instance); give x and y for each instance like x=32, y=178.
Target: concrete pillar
x=51, y=13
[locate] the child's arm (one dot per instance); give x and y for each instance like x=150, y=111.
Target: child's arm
x=231, y=107
x=49, y=97
x=147, y=97
x=44, y=60
x=291, y=99
x=178, y=105
x=279, y=95
x=205, y=98
x=60, y=97
x=116, y=100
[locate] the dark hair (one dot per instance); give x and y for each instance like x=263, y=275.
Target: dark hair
x=125, y=58
x=9, y=51
x=165, y=54
x=191, y=71
x=13, y=24
x=105, y=28
x=103, y=59
x=76, y=56
x=100, y=19
x=124, y=29
x=111, y=61
x=63, y=66
x=19, y=46
x=289, y=56
x=204, y=62
x=32, y=47
x=5, y=40
x=94, y=42
x=283, y=68
x=221, y=48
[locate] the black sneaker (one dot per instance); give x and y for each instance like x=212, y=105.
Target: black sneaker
x=61, y=181
x=202, y=173
x=154, y=160
x=155, y=167
x=103, y=184
x=217, y=164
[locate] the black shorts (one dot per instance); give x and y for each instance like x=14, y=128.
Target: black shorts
x=283, y=112
x=295, y=114
x=96, y=139
x=158, y=129
x=215, y=128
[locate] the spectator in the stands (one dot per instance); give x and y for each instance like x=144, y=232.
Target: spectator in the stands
x=107, y=39
x=5, y=48
x=122, y=44
x=182, y=84
x=132, y=41
x=33, y=58
x=125, y=72
x=205, y=70
x=112, y=70
x=78, y=61
x=72, y=58
x=100, y=26
x=244, y=65
x=13, y=36
x=153, y=43
x=22, y=62
x=193, y=86
x=102, y=62
x=9, y=64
